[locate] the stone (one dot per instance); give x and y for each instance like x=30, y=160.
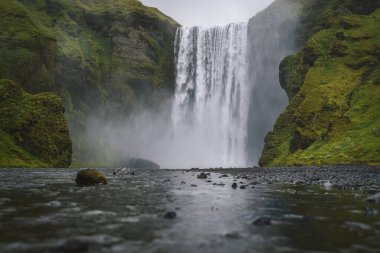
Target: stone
x=138, y=163
x=202, y=176
x=234, y=185
x=170, y=215
x=90, y=177
x=262, y=221
x=374, y=198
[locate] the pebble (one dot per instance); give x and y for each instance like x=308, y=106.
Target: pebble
x=234, y=185
x=170, y=215
x=243, y=187
x=262, y=221
x=374, y=198
x=370, y=211
x=202, y=176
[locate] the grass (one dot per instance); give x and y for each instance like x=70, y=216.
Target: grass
x=33, y=129
x=334, y=115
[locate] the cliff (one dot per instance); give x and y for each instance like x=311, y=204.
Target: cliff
x=33, y=129
x=97, y=55
x=333, y=85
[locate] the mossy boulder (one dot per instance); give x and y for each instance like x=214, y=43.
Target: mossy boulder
x=90, y=177
x=33, y=129
x=333, y=114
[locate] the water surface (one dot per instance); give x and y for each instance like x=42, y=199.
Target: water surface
x=44, y=211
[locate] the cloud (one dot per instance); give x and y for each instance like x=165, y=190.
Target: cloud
x=209, y=12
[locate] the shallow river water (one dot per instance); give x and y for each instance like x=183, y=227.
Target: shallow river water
x=44, y=211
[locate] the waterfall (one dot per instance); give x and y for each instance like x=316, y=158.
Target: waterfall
x=211, y=103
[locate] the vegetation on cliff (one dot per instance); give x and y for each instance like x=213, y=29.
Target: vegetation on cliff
x=333, y=84
x=95, y=54
x=33, y=129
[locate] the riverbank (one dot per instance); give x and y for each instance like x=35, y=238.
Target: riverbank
x=359, y=178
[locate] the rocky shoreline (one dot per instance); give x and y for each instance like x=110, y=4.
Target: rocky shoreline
x=362, y=178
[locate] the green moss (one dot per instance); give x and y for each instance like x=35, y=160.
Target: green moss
x=92, y=53
x=33, y=129
x=333, y=113
x=90, y=177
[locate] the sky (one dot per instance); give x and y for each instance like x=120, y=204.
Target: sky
x=208, y=13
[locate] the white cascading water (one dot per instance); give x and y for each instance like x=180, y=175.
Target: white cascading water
x=210, y=108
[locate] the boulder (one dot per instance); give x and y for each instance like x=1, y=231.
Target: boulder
x=90, y=177
x=138, y=163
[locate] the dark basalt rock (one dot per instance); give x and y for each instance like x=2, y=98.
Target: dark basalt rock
x=170, y=215
x=138, y=163
x=374, y=198
x=263, y=221
x=202, y=176
x=90, y=177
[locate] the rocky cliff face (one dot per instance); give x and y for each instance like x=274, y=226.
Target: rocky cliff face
x=33, y=129
x=333, y=84
x=95, y=54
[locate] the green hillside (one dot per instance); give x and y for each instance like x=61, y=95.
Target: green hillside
x=333, y=84
x=97, y=55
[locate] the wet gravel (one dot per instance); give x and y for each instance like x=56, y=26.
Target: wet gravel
x=358, y=178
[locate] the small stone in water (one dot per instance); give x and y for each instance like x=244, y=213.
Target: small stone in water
x=194, y=185
x=374, y=198
x=202, y=176
x=263, y=221
x=370, y=211
x=243, y=187
x=170, y=215
x=234, y=185
x=90, y=177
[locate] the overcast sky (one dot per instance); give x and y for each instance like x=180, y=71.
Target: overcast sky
x=209, y=12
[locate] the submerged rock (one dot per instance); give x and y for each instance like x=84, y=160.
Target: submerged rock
x=374, y=198
x=202, y=176
x=234, y=185
x=262, y=221
x=90, y=177
x=170, y=215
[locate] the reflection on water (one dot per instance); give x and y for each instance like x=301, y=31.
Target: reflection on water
x=43, y=211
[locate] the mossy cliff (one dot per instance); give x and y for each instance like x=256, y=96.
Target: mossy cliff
x=333, y=84
x=95, y=54
x=33, y=129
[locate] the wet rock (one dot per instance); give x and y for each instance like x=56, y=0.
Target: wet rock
x=90, y=177
x=234, y=185
x=374, y=198
x=72, y=246
x=183, y=182
x=209, y=181
x=232, y=236
x=262, y=222
x=202, y=176
x=224, y=175
x=194, y=185
x=243, y=187
x=370, y=211
x=170, y=215
x=139, y=163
